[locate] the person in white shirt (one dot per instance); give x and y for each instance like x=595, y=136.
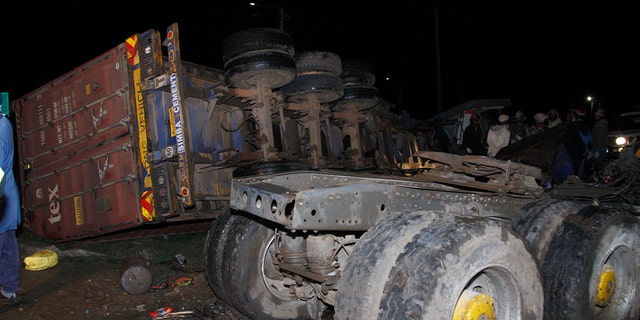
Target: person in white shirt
x=498, y=136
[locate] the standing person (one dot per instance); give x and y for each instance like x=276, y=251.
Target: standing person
x=577, y=140
x=473, y=139
x=539, y=123
x=10, y=217
x=599, y=136
x=498, y=136
x=519, y=129
x=554, y=118
x=571, y=115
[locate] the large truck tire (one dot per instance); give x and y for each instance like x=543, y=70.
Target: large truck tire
x=325, y=87
x=448, y=268
x=538, y=221
x=268, y=167
x=591, y=267
x=318, y=61
x=358, y=72
x=257, y=39
x=360, y=288
x=214, y=253
x=360, y=97
x=260, y=69
x=254, y=286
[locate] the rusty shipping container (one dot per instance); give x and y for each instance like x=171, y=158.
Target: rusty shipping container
x=131, y=137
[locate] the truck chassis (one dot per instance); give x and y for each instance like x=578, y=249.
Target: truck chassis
x=469, y=238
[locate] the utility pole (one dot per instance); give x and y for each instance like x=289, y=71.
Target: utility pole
x=437, y=61
x=281, y=18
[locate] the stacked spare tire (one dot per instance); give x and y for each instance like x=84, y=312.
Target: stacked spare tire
x=358, y=78
x=259, y=57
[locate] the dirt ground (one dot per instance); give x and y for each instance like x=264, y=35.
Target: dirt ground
x=86, y=283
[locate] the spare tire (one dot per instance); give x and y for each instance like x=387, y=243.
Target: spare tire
x=318, y=61
x=357, y=72
x=363, y=97
x=255, y=39
x=325, y=86
x=258, y=168
x=270, y=69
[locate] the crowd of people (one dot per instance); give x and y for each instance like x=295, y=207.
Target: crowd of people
x=582, y=148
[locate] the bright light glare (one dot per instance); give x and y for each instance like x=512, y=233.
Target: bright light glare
x=621, y=141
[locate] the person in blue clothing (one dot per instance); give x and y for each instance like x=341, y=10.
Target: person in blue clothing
x=10, y=213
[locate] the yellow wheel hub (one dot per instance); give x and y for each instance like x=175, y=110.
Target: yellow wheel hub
x=474, y=306
x=606, y=286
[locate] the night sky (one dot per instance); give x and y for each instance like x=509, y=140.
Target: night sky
x=540, y=55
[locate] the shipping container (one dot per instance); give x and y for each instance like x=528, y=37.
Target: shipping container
x=134, y=136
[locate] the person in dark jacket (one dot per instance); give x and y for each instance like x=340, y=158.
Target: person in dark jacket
x=519, y=128
x=577, y=140
x=600, y=136
x=473, y=139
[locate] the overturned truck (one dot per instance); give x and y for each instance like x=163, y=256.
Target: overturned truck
x=471, y=237
x=137, y=136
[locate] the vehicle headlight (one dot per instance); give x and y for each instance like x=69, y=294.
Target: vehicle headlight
x=621, y=141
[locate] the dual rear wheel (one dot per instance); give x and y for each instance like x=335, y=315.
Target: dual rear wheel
x=558, y=260
x=589, y=258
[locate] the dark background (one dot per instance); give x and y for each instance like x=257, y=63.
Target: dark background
x=437, y=55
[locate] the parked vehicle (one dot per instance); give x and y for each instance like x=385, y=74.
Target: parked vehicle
x=624, y=132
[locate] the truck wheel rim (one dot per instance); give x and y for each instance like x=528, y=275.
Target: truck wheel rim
x=606, y=286
x=474, y=306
